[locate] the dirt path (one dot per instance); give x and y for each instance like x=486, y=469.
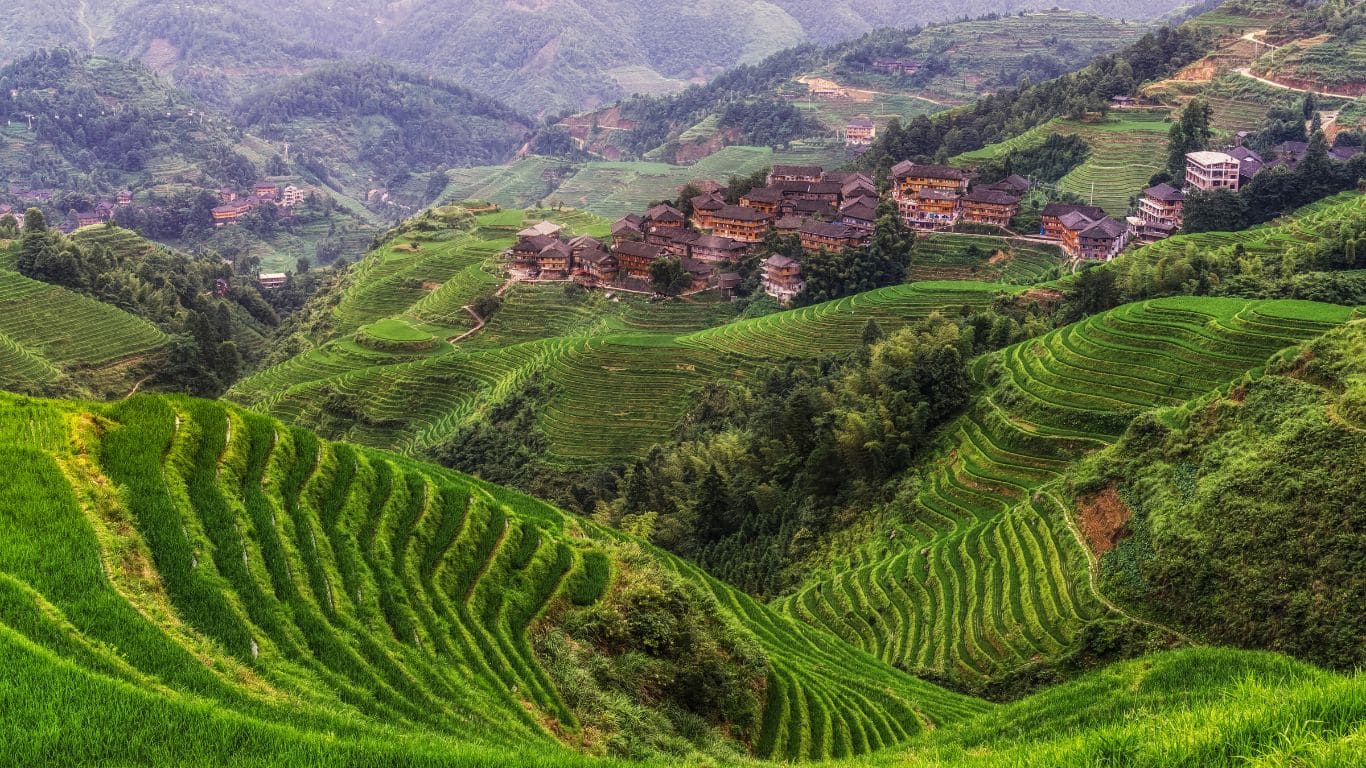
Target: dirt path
x=85, y=25
x=478, y=326
x=1093, y=573
x=1247, y=72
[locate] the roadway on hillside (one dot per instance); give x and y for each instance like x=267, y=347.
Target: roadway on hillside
x=1247, y=71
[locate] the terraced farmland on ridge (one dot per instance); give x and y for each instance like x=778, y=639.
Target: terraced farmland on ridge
x=998, y=259
x=623, y=376
x=46, y=329
x=981, y=574
x=1126, y=150
x=281, y=592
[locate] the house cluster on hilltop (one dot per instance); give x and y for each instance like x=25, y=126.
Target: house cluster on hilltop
x=102, y=211
x=936, y=197
x=825, y=210
x=1161, y=207
x=233, y=206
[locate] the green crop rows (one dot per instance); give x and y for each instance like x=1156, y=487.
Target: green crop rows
x=983, y=575
x=67, y=330
x=946, y=257
x=346, y=592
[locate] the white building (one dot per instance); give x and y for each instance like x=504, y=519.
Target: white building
x=1212, y=170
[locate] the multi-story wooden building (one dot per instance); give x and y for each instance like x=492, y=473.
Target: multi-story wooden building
x=984, y=205
x=930, y=208
x=808, y=173
x=704, y=207
x=859, y=132
x=664, y=215
x=1162, y=204
x=1051, y=226
x=554, y=261
x=1212, y=170
x=860, y=212
x=1102, y=240
x=229, y=213
x=819, y=209
x=909, y=178
x=266, y=191
x=675, y=242
x=1015, y=184
x=782, y=278
x=824, y=236
x=598, y=265
x=741, y=223
x=763, y=199
x=714, y=249
x=628, y=227
x=635, y=258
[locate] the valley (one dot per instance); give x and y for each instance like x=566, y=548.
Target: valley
x=614, y=383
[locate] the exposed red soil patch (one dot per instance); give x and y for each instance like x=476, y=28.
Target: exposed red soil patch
x=1102, y=518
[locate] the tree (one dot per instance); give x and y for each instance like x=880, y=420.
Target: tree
x=1189, y=134
x=34, y=221
x=667, y=276
x=1093, y=291
x=1214, y=210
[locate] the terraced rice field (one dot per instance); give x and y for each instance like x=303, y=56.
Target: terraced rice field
x=511, y=186
x=836, y=326
x=998, y=259
x=65, y=329
x=624, y=373
x=613, y=189
x=981, y=574
x=343, y=594
x=1126, y=151
x=1124, y=155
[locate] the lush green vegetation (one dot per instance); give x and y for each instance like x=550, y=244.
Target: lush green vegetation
x=396, y=121
x=972, y=571
x=199, y=585
x=1234, y=515
x=206, y=564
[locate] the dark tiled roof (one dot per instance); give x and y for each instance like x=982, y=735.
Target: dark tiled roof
x=741, y=213
x=832, y=231
x=907, y=168
x=718, y=243
x=990, y=197
x=1165, y=192
x=663, y=212
x=797, y=170
x=1105, y=229
x=764, y=195
x=1058, y=209
x=643, y=250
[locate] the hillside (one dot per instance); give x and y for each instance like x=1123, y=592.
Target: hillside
x=1168, y=506
x=370, y=126
x=285, y=600
x=562, y=55
x=249, y=573
x=603, y=354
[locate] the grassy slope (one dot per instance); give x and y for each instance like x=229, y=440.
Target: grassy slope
x=980, y=573
x=213, y=559
x=198, y=585
x=1126, y=150
x=48, y=332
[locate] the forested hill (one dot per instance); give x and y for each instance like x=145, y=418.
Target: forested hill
x=380, y=117
x=557, y=55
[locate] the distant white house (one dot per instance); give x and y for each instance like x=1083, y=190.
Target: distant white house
x=271, y=280
x=544, y=229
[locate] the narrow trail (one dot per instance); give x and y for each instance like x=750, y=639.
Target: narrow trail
x=479, y=324
x=1247, y=72
x=81, y=10
x=1093, y=573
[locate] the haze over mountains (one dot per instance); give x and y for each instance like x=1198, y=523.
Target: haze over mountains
x=548, y=55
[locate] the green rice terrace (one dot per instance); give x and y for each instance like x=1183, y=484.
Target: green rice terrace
x=625, y=371
x=47, y=331
x=984, y=573
x=1126, y=150
x=992, y=259
x=201, y=585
